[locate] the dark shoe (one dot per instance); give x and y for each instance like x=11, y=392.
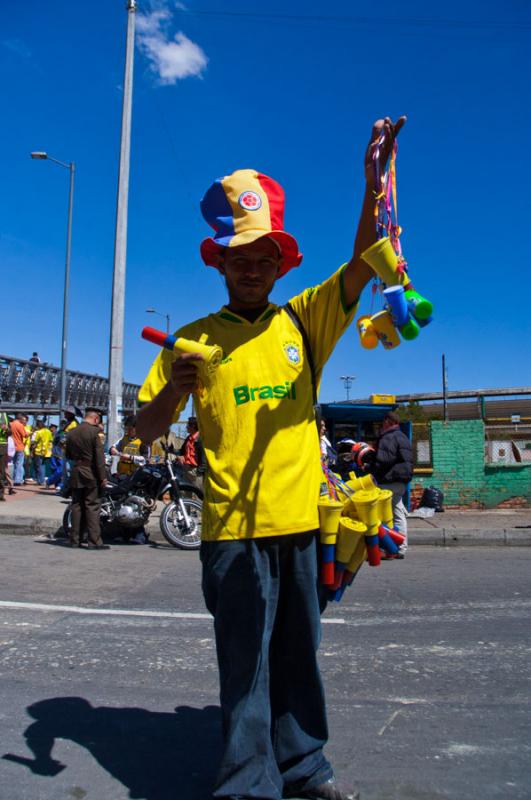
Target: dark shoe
x=324, y=791
x=11, y=491
x=99, y=547
x=2, y=499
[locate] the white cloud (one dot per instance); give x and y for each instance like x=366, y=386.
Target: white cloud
x=171, y=59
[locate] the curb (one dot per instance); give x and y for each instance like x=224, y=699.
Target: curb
x=28, y=526
x=453, y=537
x=14, y=525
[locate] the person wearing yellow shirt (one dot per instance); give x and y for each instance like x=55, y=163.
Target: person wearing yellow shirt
x=42, y=450
x=257, y=424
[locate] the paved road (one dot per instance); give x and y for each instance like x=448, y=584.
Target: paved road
x=427, y=665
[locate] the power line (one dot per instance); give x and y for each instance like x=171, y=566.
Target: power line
x=350, y=20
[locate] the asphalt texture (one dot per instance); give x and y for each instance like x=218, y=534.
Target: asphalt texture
x=109, y=681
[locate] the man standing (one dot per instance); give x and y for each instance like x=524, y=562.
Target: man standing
x=42, y=447
x=393, y=468
x=85, y=451
x=191, y=453
x=20, y=437
x=257, y=425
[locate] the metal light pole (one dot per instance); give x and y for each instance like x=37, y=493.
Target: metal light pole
x=445, y=389
x=72, y=167
x=347, y=380
x=120, y=241
x=153, y=311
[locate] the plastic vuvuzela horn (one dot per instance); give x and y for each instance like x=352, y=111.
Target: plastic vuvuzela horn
x=212, y=354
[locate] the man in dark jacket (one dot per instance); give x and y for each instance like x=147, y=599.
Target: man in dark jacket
x=85, y=450
x=393, y=467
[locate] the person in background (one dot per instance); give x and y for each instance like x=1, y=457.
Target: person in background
x=35, y=358
x=20, y=437
x=87, y=479
x=130, y=449
x=71, y=412
x=4, y=434
x=190, y=455
x=42, y=450
x=393, y=468
x=56, y=459
x=328, y=456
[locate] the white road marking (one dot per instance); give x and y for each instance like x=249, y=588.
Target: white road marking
x=118, y=612
x=393, y=716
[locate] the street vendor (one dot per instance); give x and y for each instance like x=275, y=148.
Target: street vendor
x=263, y=473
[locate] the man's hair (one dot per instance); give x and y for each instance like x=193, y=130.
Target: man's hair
x=392, y=417
x=53, y=425
x=20, y=415
x=192, y=421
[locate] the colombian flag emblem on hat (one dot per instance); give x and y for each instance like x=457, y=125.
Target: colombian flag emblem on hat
x=242, y=208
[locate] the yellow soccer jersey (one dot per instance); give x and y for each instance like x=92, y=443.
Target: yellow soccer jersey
x=256, y=418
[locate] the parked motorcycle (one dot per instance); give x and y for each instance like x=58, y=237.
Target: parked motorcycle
x=128, y=502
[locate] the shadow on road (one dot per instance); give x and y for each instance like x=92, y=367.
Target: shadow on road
x=155, y=755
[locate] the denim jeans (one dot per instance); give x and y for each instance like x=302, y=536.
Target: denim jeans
x=39, y=463
x=264, y=596
x=18, y=466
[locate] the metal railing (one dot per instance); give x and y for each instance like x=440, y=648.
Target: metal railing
x=35, y=388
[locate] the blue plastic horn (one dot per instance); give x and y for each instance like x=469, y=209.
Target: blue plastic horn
x=395, y=299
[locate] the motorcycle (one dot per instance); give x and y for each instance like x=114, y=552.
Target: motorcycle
x=128, y=502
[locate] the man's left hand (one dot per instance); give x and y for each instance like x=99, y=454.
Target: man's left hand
x=390, y=131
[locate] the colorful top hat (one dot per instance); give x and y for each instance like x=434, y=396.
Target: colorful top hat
x=242, y=208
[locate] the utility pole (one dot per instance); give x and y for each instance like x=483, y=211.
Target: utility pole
x=120, y=242
x=347, y=380
x=445, y=392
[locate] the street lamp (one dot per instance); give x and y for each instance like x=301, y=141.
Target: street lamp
x=347, y=380
x=153, y=311
x=41, y=156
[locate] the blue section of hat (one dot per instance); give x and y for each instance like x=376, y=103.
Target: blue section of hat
x=217, y=210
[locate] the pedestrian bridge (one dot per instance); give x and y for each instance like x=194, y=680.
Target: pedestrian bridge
x=35, y=388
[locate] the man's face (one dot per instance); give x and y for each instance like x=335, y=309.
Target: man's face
x=130, y=431
x=250, y=272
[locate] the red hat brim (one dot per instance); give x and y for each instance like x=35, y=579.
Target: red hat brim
x=211, y=250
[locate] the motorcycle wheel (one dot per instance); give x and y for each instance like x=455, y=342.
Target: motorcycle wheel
x=67, y=524
x=173, y=528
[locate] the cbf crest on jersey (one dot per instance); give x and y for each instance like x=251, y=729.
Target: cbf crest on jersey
x=293, y=353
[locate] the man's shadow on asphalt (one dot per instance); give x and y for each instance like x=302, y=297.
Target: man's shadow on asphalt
x=156, y=755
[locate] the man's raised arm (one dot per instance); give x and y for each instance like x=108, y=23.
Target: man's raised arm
x=358, y=273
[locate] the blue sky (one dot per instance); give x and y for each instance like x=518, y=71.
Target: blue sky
x=292, y=92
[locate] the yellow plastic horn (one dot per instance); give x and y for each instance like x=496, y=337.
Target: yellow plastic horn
x=382, y=323
x=350, y=532
x=385, y=507
x=212, y=354
x=329, y=514
x=367, y=508
x=383, y=259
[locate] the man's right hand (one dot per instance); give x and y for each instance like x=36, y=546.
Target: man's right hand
x=184, y=373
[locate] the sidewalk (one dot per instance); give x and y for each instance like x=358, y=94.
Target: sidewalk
x=35, y=511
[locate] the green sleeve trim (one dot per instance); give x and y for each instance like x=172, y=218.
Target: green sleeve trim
x=346, y=308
